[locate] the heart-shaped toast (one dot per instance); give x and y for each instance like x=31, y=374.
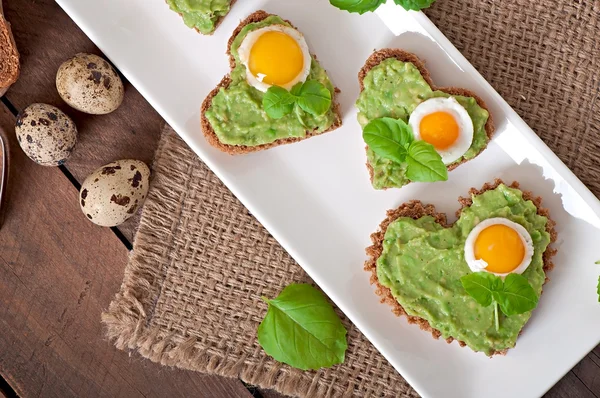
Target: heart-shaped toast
x=395, y=84
x=417, y=262
x=204, y=16
x=264, y=52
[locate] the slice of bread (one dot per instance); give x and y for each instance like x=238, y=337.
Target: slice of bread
x=416, y=209
x=9, y=56
x=231, y=3
x=381, y=55
x=207, y=129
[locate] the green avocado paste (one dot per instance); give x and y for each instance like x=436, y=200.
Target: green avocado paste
x=394, y=89
x=422, y=263
x=201, y=14
x=236, y=113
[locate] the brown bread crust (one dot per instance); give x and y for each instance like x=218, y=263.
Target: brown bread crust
x=379, y=56
x=9, y=56
x=209, y=132
x=416, y=209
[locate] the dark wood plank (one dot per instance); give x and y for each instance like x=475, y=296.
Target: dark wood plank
x=569, y=387
x=597, y=351
x=588, y=372
x=57, y=273
x=46, y=37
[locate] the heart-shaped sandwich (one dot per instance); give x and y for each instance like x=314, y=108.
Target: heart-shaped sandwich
x=475, y=281
x=202, y=15
x=413, y=130
x=277, y=92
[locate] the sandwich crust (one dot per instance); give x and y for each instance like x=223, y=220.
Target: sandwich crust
x=381, y=55
x=209, y=132
x=416, y=209
x=9, y=56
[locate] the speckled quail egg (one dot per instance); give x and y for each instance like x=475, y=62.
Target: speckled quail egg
x=113, y=193
x=46, y=134
x=89, y=84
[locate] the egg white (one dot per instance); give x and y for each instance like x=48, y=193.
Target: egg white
x=460, y=114
x=250, y=40
x=479, y=265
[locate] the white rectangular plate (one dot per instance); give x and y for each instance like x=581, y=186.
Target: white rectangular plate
x=325, y=182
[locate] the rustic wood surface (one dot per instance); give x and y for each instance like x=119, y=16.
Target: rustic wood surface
x=46, y=37
x=58, y=271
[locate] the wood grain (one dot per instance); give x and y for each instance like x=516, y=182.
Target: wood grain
x=569, y=387
x=589, y=373
x=46, y=37
x=57, y=273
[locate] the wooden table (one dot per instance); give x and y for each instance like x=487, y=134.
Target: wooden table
x=58, y=271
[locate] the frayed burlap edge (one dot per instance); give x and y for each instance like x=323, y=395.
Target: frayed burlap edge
x=128, y=320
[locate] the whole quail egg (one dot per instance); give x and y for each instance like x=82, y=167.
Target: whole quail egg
x=113, y=193
x=89, y=84
x=46, y=134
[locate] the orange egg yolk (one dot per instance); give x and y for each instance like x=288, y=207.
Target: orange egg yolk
x=277, y=57
x=439, y=129
x=500, y=247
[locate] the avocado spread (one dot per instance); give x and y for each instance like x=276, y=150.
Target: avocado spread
x=201, y=14
x=422, y=263
x=394, y=89
x=236, y=113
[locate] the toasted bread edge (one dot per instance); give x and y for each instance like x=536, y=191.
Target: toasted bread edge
x=9, y=56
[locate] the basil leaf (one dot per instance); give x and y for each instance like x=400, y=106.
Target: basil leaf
x=302, y=329
x=278, y=102
x=389, y=138
x=415, y=5
x=359, y=6
x=424, y=163
x=314, y=98
x=518, y=296
x=482, y=286
x=295, y=91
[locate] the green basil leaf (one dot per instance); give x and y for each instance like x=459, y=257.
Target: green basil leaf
x=359, y=6
x=278, y=102
x=389, y=138
x=314, y=98
x=424, y=163
x=415, y=5
x=295, y=91
x=482, y=286
x=302, y=329
x=518, y=296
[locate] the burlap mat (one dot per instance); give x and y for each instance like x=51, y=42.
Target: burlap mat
x=191, y=293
